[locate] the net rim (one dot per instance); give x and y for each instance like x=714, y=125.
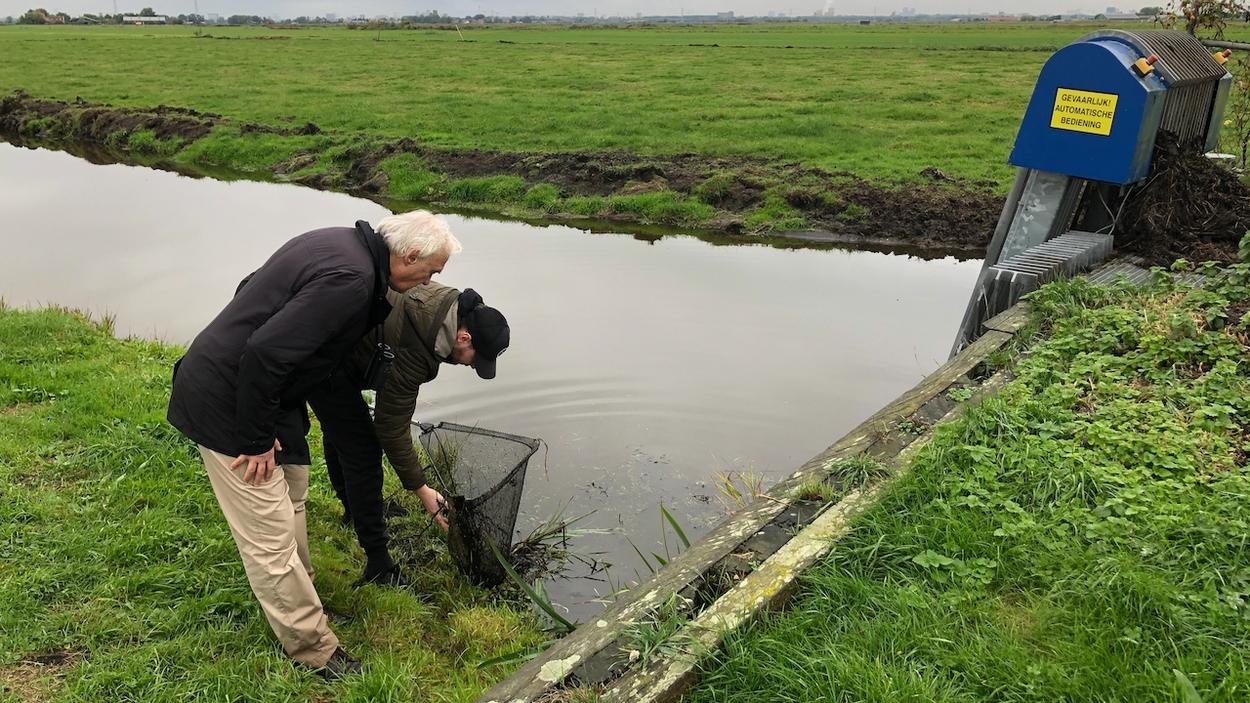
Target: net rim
x=530, y=442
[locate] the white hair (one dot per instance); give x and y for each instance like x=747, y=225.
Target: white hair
x=422, y=230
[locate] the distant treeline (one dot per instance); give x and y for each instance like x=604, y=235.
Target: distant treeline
x=42, y=16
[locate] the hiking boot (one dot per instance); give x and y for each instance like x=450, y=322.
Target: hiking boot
x=391, y=578
x=339, y=665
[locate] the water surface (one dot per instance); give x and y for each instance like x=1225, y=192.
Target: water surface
x=646, y=366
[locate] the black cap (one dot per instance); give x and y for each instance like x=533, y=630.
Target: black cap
x=489, y=332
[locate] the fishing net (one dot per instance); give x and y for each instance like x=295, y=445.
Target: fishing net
x=482, y=473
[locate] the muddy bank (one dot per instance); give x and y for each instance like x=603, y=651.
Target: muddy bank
x=740, y=196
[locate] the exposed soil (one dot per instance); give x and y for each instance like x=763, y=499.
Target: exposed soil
x=1190, y=207
x=93, y=122
x=1237, y=310
x=944, y=214
x=939, y=213
x=36, y=678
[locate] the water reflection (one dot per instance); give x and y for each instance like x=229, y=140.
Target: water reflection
x=645, y=366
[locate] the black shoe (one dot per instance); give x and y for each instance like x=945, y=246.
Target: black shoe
x=391, y=578
x=393, y=509
x=346, y=520
x=339, y=665
x=334, y=617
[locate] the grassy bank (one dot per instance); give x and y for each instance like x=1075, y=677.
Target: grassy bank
x=889, y=131
x=881, y=101
x=1083, y=536
x=119, y=579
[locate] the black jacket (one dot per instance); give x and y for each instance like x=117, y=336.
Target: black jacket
x=243, y=381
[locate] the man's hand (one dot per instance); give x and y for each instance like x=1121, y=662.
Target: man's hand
x=434, y=504
x=259, y=466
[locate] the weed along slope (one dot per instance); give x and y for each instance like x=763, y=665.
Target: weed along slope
x=892, y=133
x=1084, y=535
x=118, y=576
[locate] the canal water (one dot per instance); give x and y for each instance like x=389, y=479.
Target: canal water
x=647, y=366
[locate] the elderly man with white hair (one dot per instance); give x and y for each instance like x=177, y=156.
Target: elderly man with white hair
x=239, y=394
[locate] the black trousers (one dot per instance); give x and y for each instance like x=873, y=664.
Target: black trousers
x=354, y=461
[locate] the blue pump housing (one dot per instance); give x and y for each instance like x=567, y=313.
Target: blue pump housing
x=1102, y=66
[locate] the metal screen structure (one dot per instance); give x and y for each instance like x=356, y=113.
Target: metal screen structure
x=1098, y=110
x=482, y=473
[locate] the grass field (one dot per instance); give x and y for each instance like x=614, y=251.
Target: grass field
x=119, y=580
x=883, y=101
x=1084, y=536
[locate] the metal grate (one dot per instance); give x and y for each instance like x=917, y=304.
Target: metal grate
x=1184, y=59
x=1068, y=254
x=1005, y=283
x=1191, y=74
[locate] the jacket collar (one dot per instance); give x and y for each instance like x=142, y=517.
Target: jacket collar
x=380, y=307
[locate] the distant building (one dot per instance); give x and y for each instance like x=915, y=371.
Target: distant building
x=724, y=15
x=1002, y=18
x=144, y=19
x=331, y=17
x=1125, y=16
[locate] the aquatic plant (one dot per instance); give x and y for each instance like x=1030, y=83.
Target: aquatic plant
x=738, y=489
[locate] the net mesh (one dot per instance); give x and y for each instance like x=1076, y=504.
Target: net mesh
x=482, y=473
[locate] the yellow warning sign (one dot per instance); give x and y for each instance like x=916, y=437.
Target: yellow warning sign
x=1083, y=111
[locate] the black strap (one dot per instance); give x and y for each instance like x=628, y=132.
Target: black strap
x=379, y=253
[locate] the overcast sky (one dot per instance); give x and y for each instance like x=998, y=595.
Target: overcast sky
x=627, y=8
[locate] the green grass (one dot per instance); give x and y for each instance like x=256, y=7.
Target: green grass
x=248, y=152
x=113, y=548
x=543, y=197
x=1077, y=538
x=410, y=179
x=589, y=206
x=664, y=206
x=774, y=213
x=488, y=190
x=883, y=101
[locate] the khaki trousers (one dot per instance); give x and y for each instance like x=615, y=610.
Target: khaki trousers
x=270, y=529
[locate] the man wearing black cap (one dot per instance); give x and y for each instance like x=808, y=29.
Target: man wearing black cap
x=429, y=325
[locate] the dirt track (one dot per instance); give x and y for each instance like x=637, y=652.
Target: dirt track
x=939, y=213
